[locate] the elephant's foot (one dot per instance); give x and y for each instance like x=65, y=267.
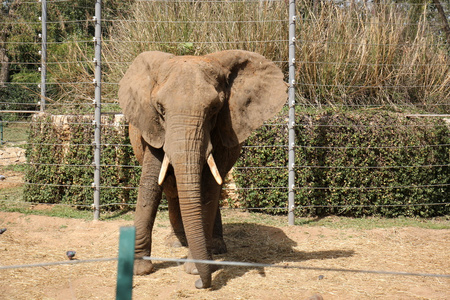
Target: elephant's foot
x=179, y=240
x=191, y=268
x=143, y=267
x=176, y=240
x=200, y=285
x=218, y=246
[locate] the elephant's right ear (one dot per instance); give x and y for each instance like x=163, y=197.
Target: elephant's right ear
x=135, y=91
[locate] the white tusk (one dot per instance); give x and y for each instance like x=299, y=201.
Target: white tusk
x=162, y=173
x=212, y=165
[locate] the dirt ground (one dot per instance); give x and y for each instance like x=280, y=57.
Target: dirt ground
x=11, y=155
x=32, y=239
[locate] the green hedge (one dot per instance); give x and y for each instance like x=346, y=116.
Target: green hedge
x=61, y=156
x=354, y=163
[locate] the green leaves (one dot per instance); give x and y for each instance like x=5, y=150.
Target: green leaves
x=351, y=163
x=61, y=155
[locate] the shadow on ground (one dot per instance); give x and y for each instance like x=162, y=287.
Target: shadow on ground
x=259, y=244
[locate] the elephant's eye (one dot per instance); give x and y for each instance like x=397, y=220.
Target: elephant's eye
x=215, y=108
x=161, y=110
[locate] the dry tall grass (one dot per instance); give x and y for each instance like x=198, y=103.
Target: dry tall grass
x=366, y=55
x=196, y=28
x=346, y=55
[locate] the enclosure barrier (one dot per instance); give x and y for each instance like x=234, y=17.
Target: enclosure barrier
x=292, y=39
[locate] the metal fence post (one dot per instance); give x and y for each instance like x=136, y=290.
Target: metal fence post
x=43, y=54
x=97, y=103
x=291, y=125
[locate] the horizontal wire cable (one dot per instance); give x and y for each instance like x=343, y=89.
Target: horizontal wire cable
x=407, y=105
x=229, y=264
x=286, y=266
x=57, y=263
x=51, y=83
x=298, y=62
x=201, y=43
x=312, y=124
x=304, y=20
x=53, y=204
x=296, y=207
x=346, y=4
x=266, y=188
x=197, y=21
x=368, y=205
x=372, y=147
x=342, y=167
x=341, y=86
x=240, y=168
x=369, y=187
x=371, y=86
x=365, y=64
x=348, y=147
x=301, y=206
x=274, y=146
x=339, y=3
x=360, y=44
x=212, y=1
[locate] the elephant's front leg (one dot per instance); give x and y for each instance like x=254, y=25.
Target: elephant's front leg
x=149, y=197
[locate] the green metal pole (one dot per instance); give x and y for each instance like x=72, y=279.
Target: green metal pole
x=126, y=263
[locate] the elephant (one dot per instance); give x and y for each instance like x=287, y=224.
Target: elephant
x=188, y=117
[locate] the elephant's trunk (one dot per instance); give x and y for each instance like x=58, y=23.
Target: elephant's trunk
x=188, y=183
x=188, y=156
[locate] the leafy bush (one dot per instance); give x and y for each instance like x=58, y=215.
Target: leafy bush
x=350, y=163
x=60, y=156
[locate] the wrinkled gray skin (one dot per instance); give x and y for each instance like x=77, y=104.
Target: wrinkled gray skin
x=189, y=111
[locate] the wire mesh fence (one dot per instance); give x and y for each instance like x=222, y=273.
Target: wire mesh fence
x=382, y=60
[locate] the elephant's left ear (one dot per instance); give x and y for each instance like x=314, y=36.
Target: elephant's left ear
x=256, y=90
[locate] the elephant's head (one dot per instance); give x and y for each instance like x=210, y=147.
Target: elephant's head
x=179, y=102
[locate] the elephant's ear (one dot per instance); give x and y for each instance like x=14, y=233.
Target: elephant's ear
x=135, y=90
x=256, y=90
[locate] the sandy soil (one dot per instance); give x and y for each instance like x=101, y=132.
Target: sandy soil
x=11, y=155
x=31, y=239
